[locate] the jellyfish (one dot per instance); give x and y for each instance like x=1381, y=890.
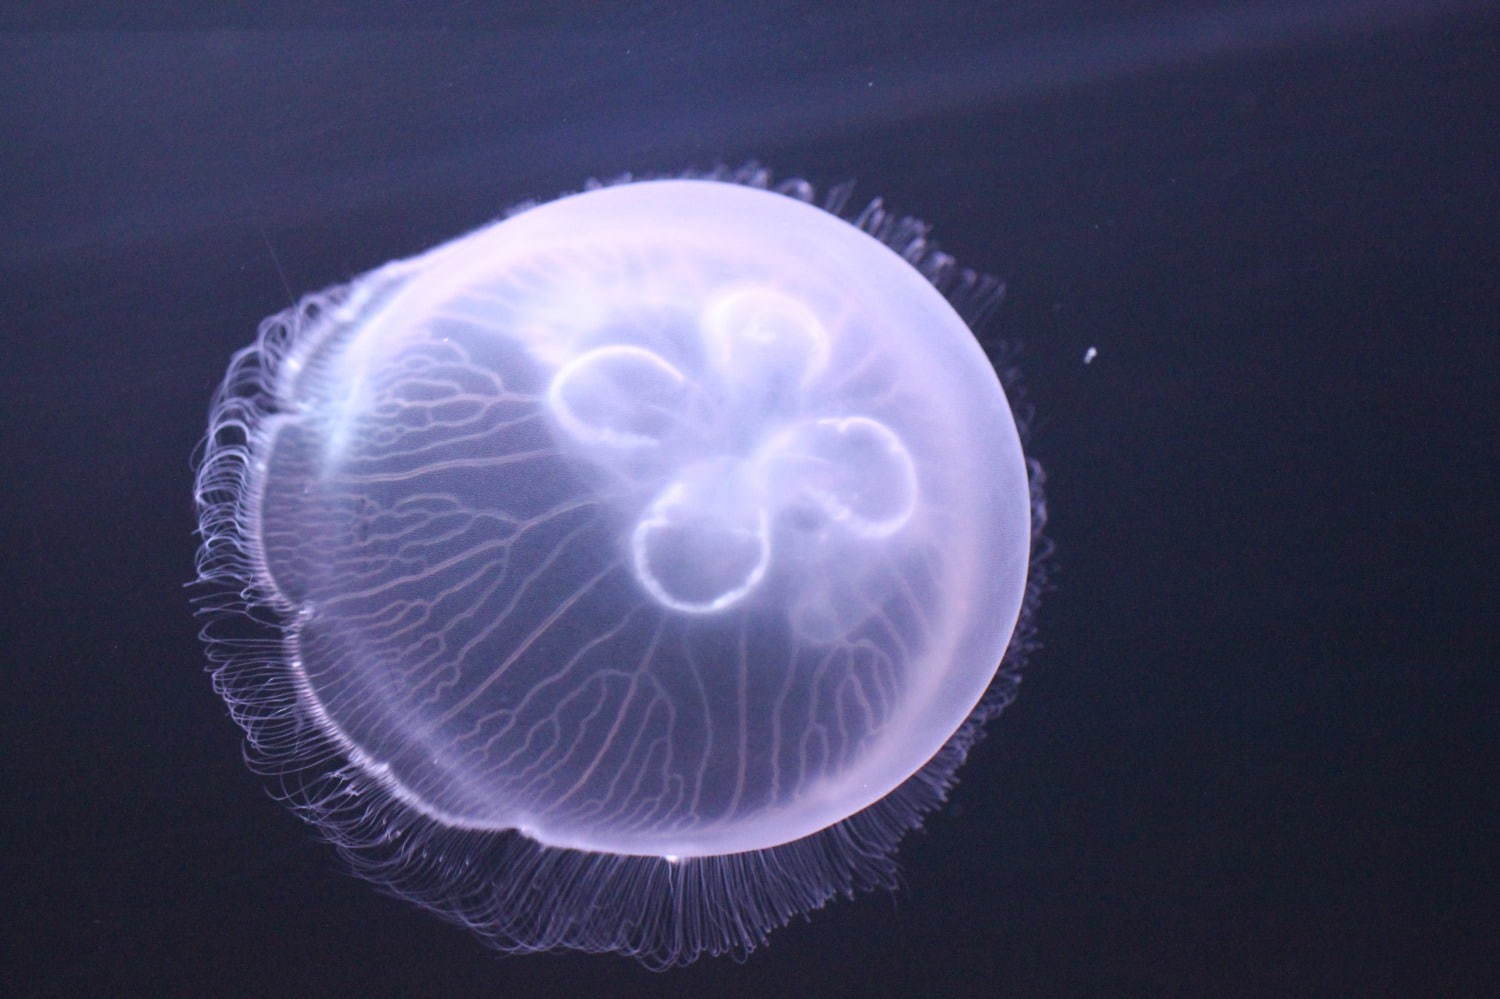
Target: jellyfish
x=630, y=574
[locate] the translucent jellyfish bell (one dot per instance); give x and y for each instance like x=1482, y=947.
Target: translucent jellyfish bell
x=639, y=566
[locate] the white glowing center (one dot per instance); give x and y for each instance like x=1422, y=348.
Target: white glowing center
x=703, y=542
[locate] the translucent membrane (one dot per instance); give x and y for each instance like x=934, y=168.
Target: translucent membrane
x=678, y=519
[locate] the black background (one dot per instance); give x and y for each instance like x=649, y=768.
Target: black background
x=1256, y=753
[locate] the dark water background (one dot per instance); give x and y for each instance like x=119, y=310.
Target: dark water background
x=1256, y=755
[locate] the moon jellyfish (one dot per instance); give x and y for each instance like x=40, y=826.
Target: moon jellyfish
x=630, y=574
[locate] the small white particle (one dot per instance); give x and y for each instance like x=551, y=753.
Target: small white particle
x=1090, y=354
